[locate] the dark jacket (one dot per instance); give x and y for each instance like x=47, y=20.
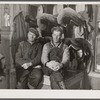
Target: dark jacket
x=29, y=53
x=19, y=33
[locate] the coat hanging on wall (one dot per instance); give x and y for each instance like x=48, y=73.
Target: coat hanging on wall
x=19, y=33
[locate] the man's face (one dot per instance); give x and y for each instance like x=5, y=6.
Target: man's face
x=31, y=36
x=56, y=35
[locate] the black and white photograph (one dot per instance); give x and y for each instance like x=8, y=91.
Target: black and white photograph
x=49, y=46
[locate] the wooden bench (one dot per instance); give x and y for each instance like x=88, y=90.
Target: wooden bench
x=73, y=80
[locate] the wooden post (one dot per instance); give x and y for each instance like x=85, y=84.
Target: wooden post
x=96, y=30
x=94, y=36
x=12, y=72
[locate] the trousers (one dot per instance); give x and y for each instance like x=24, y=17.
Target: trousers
x=32, y=76
x=55, y=77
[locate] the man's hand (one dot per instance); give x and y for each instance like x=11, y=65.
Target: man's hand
x=52, y=64
x=26, y=65
x=55, y=66
x=59, y=66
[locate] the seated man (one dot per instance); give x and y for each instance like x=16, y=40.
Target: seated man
x=28, y=58
x=55, y=57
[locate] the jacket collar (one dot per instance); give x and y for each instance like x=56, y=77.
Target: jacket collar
x=33, y=42
x=58, y=45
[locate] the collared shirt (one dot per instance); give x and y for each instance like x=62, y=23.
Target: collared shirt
x=29, y=53
x=48, y=47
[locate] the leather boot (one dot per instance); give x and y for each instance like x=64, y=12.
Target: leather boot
x=19, y=86
x=61, y=85
x=30, y=86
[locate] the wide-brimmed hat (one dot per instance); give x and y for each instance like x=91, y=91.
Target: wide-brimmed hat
x=68, y=14
x=80, y=43
x=46, y=19
x=76, y=43
x=31, y=21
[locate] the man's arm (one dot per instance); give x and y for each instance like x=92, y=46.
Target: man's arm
x=66, y=56
x=44, y=57
x=45, y=60
x=37, y=59
x=19, y=57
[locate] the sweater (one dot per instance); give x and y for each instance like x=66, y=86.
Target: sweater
x=51, y=52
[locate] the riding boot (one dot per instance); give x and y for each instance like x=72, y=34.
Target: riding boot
x=30, y=86
x=61, y=85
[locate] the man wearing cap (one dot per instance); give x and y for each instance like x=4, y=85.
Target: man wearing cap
x=55, y=57
x=28, y=58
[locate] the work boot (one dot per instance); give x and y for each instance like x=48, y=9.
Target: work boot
x=61, y=85
x=30, y=86
x=19, y=86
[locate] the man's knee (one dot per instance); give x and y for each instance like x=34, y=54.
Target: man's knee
x=36, y=73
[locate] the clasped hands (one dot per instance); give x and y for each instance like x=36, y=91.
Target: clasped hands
x=55, y=66
x=26, y=65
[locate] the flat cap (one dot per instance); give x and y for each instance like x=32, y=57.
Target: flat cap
x=33, y=30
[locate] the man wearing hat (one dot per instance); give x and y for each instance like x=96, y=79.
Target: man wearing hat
x=28, y=58
x=55, y=57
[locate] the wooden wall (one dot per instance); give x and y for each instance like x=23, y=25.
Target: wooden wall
x=6, y=32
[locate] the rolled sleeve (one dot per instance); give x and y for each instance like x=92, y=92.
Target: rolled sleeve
x=19, y=57
x=66, y=56
x=44, y=57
